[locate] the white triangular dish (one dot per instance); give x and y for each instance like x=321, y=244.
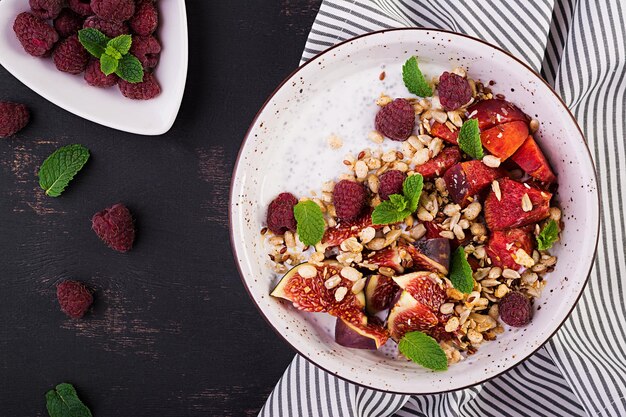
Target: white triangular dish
x=105, y=106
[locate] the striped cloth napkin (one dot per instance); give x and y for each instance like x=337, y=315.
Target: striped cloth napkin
x=578, y=46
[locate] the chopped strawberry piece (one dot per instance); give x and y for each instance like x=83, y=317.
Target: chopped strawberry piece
x=388, y=257
x=469, y=178
x=347, y=229
x=507, y=212
x=493, y=112
x=503, y=140
x=503, y=244
x=440, y=164
x=530, y=158
x=442, y=131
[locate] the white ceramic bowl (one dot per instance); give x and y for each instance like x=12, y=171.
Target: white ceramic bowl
x=286, y=150
x=107, y=107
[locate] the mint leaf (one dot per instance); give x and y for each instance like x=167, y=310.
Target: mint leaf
x=412, y=189
x=121, y=44
x=64, y=402
x=59, y=168
x=469, y=139
x=423, y=350
x=94, y=41
x=461, y=272
x=398, y=202
x=414, y=79
x=548, y=235
x=108, y=64
x=310, y=222
x=130, y=69
x=112, y=52
x=387, y=212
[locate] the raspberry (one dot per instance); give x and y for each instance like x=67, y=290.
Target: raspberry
x=114, y=10
x=74, y=298
x=35, y=35
x=82, y=7
x=350, y=197
x=390, y=183
x=13, y=118
x=68, y=23
x=111, y=29
x=147, y=50
x=46, y=9
x=95, y=77
x=515, y=309
x=280, y=216
x=396, y=120
x=115, y=227
x=454, y=91
x=70, y=56
x=145, y=90
x=146, y=18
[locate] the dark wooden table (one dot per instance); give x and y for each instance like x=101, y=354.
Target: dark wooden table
x=172, y=332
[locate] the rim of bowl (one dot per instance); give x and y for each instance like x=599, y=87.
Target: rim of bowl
x=314, y=58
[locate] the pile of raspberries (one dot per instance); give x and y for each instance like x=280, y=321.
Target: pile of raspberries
x=51, y=29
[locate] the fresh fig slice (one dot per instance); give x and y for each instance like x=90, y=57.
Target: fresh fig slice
x=388, y=257
x=366, y=336
x=347, y=229
x=380, y=292
x=430, y=254
x=424, y=288
x=409, y=315
x=308, y=293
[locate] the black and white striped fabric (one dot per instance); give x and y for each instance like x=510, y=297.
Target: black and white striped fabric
x=579, y=46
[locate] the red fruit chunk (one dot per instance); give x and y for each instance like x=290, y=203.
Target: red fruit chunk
x=503, y=140
x=35, y=35
x=74, y=298
x=70, y=56
x=115, y=227
x=347, y=229
x=409, y=315
x=350, y=198
x=13, y=118
x=430, y=254
x=95, y=77
x=469, y=178
x=437, y=166
x=109, y=28
x=147, y=50
x=360, y=336
x=530, y=158
x=147, y=89
x=507, y=212
x=494, y=112
x=388, y=257
x=503, y=244
x=423, y=288
x=515, y=309
x=113, y=10
x=68, y=23
x=432, y=230
x=82, y=7
x=380, y=292
x=280, y=217
x=390, y=183
x=442, y=131
x=46, y=9
x=146, y=18
x=454, y=91
x=396, y=120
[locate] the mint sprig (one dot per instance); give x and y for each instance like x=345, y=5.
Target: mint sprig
x=548, y=235
x=113, y=54
x=414, y=79
x=59, y=168
x=461, y=272
x=63, y=401
x=310, y=222
x=399, y=207
x=469, y=139
x=423, y=350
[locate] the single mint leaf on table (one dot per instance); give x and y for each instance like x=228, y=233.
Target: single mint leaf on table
x=310, y=222
x=94, y=41
x=461, y=272
x=414, y=79
x=63, y=401
x=548, y=235
x=423, y=350
x=388, y=213
x=59, y=168
x=130, y=69
x=412, y=189
x=121, y=44
x=469, y=139
x=108, y=64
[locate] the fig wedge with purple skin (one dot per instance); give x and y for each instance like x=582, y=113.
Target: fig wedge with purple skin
x=380, y=293
x=431, y=255
x=409, y=315
x=366, y=336
x=425, y=287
